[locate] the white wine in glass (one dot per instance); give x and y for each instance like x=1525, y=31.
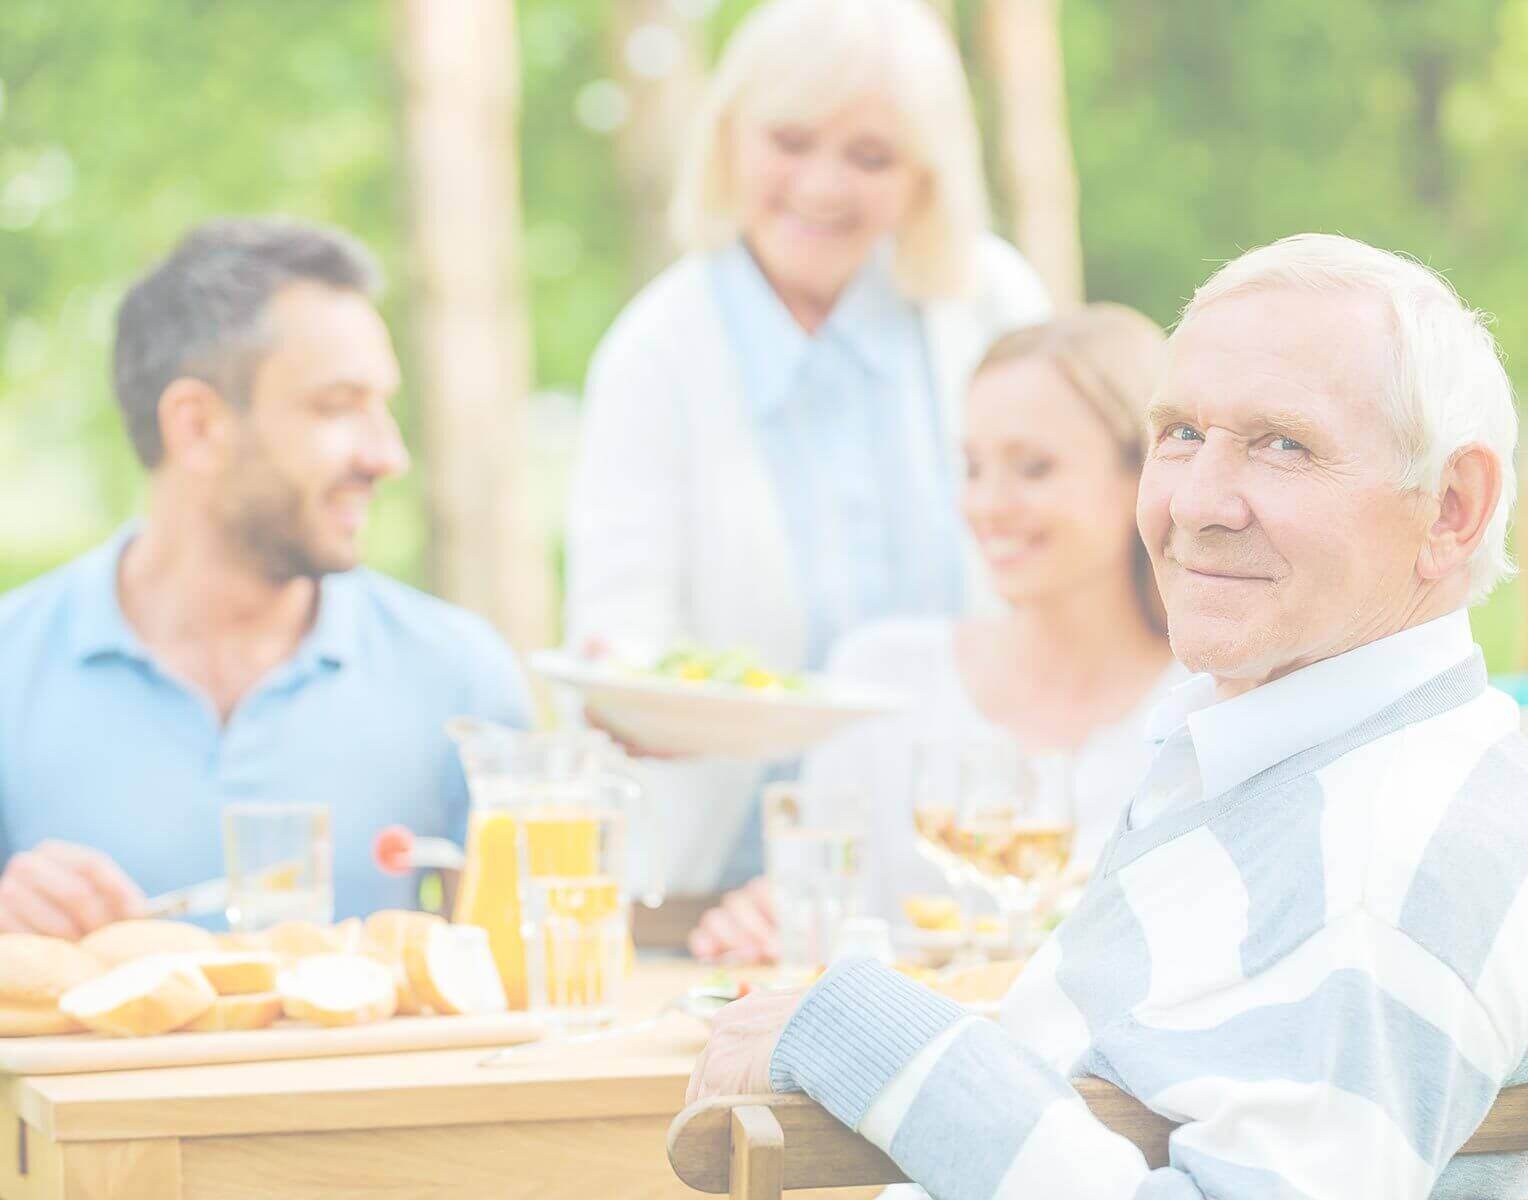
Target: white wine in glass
x=989, y=817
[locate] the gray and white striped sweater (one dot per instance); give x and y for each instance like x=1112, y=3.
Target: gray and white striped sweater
x=1323, y=974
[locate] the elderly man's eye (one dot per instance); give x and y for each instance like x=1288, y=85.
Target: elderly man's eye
x=1286, y=445
x=872, y=156
x=1181, y=433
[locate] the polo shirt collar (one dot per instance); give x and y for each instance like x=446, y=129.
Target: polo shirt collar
x=100, y=629
x=335, y=637
x=1235, y=739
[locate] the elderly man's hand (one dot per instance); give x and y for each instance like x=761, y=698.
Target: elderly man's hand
x=735, y=1061
x=64, y=890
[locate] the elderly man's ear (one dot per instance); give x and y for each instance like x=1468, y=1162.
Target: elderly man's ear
x=1467, y=497
x=194, y=422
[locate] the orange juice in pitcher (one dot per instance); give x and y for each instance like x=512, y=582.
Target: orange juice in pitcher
x=489, y=895
x=555, y=846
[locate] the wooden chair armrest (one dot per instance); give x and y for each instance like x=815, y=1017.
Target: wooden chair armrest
x=818, y=1152
x=757, y=1168
x=821, y=1153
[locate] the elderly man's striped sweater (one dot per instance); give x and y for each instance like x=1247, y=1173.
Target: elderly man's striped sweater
x=1322, y=973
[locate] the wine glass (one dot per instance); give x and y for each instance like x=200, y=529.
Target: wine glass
x=992, y=818
x=939, y=771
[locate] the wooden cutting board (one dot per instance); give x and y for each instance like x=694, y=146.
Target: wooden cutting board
x=87, y=1052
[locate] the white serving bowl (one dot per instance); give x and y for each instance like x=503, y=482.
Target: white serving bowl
x=694, y=718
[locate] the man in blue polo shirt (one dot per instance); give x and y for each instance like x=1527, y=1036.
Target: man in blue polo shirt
x=227, y=647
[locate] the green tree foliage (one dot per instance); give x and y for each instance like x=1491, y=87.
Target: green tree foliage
x=1200, y=129
x=122, y=124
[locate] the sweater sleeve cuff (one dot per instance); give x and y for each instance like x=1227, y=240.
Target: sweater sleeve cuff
x=853, y=1032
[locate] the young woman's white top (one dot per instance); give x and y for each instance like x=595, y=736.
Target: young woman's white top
x=876, y=758
x=675, y=528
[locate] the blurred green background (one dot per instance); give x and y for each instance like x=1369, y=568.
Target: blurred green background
x=1199, y=128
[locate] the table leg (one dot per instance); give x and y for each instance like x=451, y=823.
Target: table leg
x=122, y=1170
x=31, y=1166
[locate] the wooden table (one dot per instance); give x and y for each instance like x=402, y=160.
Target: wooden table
x=563, y=1123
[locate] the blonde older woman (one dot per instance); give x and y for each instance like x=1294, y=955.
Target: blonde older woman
x=769, y=449
x=1076, y=658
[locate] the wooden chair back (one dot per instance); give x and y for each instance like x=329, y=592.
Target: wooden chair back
x=756, y=1147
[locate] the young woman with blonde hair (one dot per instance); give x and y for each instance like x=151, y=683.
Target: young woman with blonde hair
x=1076, y=658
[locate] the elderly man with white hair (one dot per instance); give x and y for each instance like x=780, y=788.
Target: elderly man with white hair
x=1308, y=939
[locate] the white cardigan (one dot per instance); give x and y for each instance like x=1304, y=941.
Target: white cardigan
x=674, y=530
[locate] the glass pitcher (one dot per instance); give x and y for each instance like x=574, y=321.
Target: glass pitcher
x=557, y=844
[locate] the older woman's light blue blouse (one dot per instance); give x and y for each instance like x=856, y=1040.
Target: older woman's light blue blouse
x=853, y=441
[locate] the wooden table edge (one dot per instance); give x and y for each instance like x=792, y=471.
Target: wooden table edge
x=655, y=1092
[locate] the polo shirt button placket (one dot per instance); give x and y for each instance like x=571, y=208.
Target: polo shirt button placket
x=239, y=745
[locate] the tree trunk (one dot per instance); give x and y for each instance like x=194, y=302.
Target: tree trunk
x=1431, y=75
x=1023, y=51
x=460, y=98
x=656, y=56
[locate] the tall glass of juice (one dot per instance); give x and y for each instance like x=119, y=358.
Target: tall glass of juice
x=558, y=842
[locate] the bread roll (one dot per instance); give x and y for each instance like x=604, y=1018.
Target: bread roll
x=453, y=970
x=392, y=928
x=385, y=937
x=227, y=1013
x=241, y=973
x=141, y=998
x=34, y=972
x=293, y=941
x=126, y=941
x=339, y=989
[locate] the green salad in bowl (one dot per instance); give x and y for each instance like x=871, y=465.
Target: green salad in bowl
x=741, y=668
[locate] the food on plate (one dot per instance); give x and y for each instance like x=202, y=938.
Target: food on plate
x=390, y=929
x=250, y=1010
x=34, y=972
x=175, y=980
x=984, y=982
x=916, y=971
x=239, y=973
x=452, y=970
x=697, y=664
x=385, y=935
x=125, y=941
x=238, y=943
x=292, y=941
x=338, y=989
x=142, y=997
x=932, y=912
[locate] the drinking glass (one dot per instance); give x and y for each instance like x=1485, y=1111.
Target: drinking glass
x=990, y=818
x=813, y=856
x=558, y=844
x=576, y=914
x=279, y=860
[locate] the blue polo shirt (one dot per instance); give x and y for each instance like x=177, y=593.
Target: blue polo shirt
x=99, y=745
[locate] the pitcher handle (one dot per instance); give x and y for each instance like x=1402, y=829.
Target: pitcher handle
x=646, y=828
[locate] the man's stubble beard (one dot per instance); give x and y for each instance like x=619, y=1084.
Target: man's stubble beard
x=265, y=523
